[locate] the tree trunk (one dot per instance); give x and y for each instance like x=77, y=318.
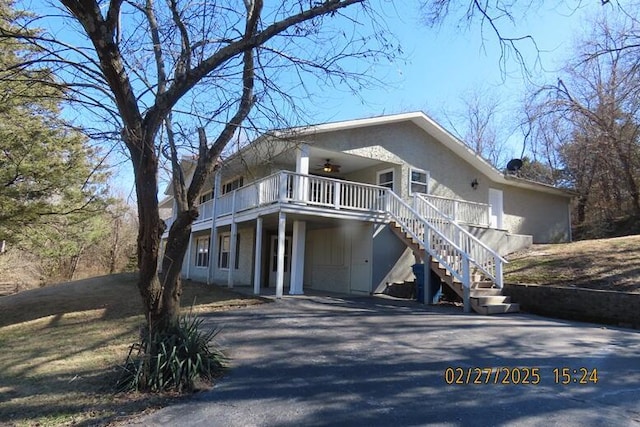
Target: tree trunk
x=73, y=267
x=172, y=261
x=148, y=245
x=629, y=179
x=161, y=299
x=145, y=166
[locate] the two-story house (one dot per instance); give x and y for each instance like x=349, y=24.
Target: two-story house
x=349, y=206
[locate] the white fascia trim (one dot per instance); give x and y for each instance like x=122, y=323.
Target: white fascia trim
x=538, y=186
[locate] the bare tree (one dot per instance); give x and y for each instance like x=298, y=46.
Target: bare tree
x=150, y=73
x=477, y=124
x=498, y=21
x=589, y=123
x=495, y=19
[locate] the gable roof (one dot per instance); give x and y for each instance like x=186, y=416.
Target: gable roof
x=425, y=123
x=443, y=136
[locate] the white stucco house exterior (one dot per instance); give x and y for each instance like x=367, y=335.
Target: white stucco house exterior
x=349, y=207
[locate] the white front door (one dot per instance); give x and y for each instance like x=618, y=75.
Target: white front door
x=496, y=212
x=273, y=261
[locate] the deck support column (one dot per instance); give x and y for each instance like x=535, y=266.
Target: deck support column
x=466, y=285
x=213, y=252
x=282, y=222
x=233, y=241
x=302, y=159
x=297, y=257
x=257, y=263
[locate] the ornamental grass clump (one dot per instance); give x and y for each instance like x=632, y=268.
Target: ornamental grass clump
x=173, y=360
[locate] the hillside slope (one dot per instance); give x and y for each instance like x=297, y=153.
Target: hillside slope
x=608, y=264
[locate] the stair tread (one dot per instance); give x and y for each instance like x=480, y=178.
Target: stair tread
x=485, y=284
x=498, y=308
x=492, y=299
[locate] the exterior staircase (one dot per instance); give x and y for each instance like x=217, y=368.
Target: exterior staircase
x=470, y=268
x=485, y=298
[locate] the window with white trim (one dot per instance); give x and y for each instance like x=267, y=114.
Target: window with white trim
x=232, y=185
x=418, y=181
x=385, y=178
x=224, y=249
x=205, y=197
x=202, y=251
x=287, y=252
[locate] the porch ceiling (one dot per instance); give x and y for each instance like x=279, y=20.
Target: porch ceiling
x=348, y=162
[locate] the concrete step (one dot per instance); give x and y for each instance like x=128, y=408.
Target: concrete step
x=497, y=308
x=491, y=299
x=485, y=292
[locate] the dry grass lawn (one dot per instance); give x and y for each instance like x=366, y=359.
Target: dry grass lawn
x=608, y=264
x=61, y=345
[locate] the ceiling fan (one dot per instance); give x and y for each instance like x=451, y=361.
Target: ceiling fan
x=329, y=167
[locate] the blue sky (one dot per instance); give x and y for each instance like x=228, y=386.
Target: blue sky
x=443, y=63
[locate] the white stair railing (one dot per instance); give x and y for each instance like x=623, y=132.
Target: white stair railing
x=437, y=239
x=484, y=258
x=439, y=246
x=462, y=211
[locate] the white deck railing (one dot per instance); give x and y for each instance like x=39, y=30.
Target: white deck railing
x=338, y=194
x=335, y=193
x=462, y=211
x=205, y=210
x=294, y=187
x=486, y=259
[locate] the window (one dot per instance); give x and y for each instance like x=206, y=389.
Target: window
x=274, y=261
x=225, y=248
x=225, y=251
x=418, y=181
x=385, y=178
x=232, y=185
x=202, y=251
x=206, y=197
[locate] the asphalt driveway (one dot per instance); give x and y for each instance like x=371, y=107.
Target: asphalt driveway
x=311, y=361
